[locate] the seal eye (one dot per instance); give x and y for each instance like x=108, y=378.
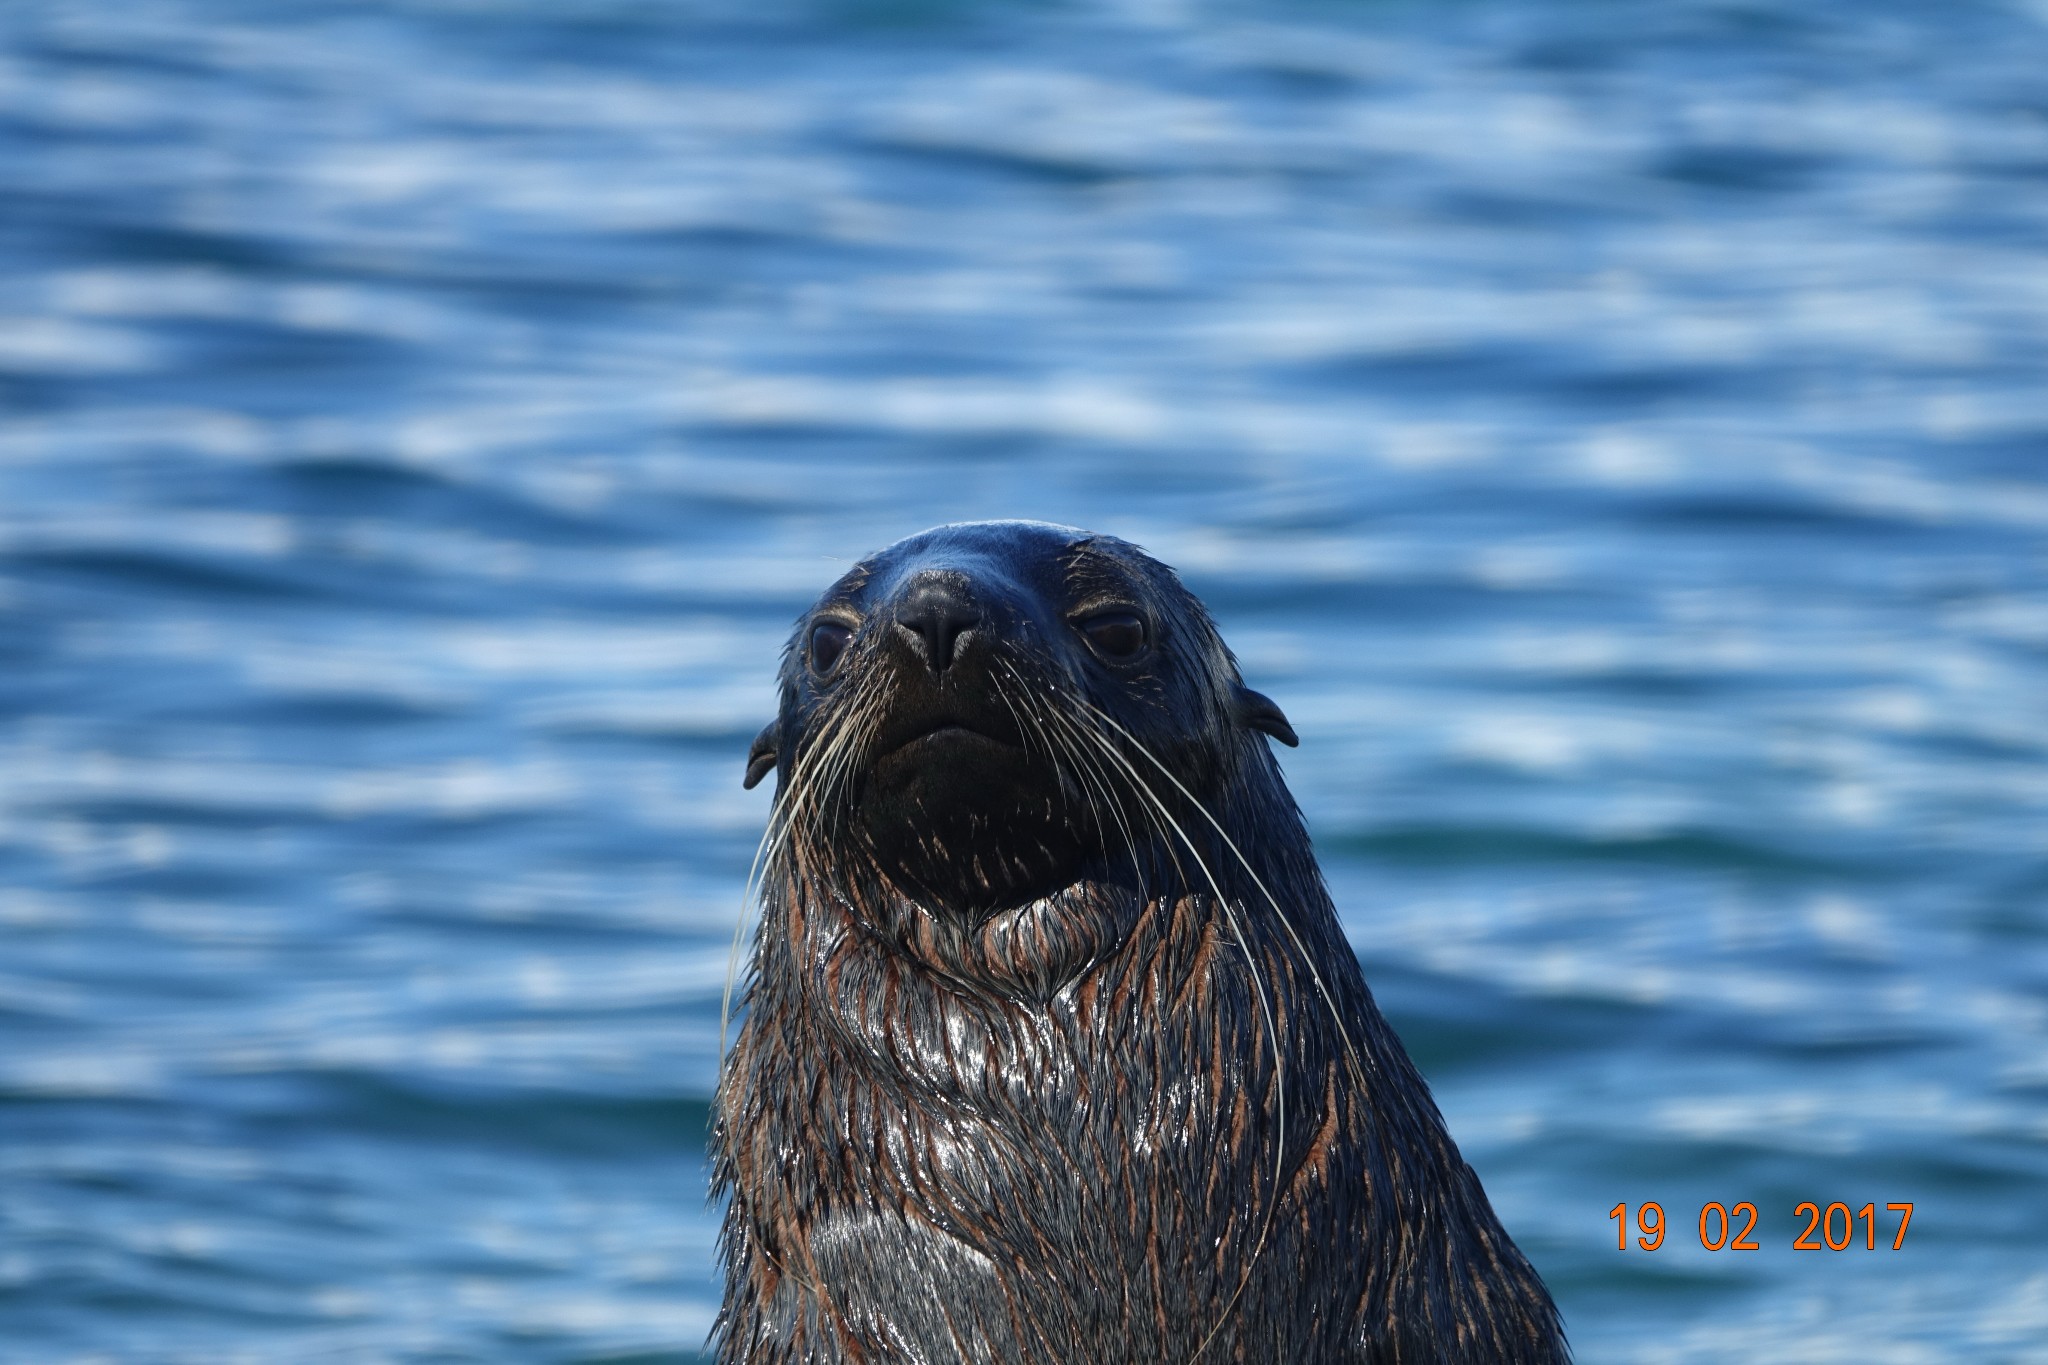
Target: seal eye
x=828, y=642
x=1118, y=636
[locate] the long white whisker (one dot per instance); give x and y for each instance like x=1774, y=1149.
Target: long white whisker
x=1272, y=1033
x=765, y=852
x=1287, y=924
x=1084, y=773
x=811, y=780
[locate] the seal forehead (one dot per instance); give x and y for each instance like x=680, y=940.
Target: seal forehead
x=1014, y=540
x=1020, y=551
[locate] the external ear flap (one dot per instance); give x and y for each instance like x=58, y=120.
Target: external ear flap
x=1257, y=711
x=761, y=757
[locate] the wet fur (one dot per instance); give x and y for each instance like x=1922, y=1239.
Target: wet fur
x=1151, y=1115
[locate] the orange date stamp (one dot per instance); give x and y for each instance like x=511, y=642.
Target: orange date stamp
x=1722, y=1227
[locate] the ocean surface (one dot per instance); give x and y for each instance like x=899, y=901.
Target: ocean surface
x=1617, y=434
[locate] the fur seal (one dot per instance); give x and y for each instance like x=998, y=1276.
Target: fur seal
x=1053, y=1049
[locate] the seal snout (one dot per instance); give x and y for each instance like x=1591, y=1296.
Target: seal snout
x=933, y=611
x=942, y=638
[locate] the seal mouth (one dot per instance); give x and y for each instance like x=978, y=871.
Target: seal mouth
x=943, y=730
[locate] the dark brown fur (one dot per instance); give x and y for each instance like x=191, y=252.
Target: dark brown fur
x=1035, y=1066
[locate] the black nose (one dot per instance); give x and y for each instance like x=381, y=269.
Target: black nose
x=935, y=610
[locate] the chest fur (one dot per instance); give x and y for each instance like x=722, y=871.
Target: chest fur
x=932, y=1174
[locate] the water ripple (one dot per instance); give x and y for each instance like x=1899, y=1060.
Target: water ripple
x=1614, y=434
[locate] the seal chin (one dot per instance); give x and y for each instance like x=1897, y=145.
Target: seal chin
x=967, y=822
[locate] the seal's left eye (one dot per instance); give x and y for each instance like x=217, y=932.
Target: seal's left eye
x=1116, y=635
x=828, y=642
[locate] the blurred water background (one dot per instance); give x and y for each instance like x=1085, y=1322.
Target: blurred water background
x=1616, y=433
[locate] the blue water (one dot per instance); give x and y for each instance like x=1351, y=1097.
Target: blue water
x=1616, y=434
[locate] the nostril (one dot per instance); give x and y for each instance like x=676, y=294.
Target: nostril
x=935, y=616
x=938, y=635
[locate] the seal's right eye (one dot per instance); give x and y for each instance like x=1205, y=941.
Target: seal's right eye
x=828, y=642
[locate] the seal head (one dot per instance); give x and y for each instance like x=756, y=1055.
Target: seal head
x=925, y=671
